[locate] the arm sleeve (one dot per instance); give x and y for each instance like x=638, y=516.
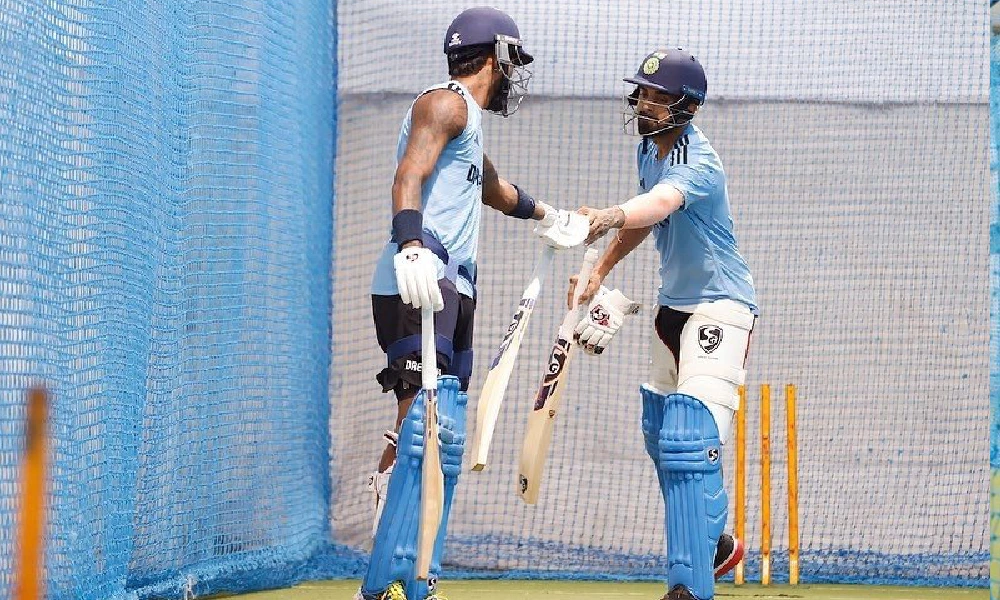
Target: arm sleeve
x=694, y=182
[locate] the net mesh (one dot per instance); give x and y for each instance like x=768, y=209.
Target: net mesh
x=164, y=267
x=165, y=174
x=994, y=308
x=855, y=150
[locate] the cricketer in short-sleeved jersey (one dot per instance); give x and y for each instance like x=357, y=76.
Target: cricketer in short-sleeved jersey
x=699, y=261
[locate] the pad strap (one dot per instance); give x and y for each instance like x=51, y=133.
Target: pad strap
x=461, y=367
x=392, y=437
x=461, y=364
x=694, y=367
x=726, y=313
x=411, y=344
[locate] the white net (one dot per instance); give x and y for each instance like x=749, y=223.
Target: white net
x=854, y=137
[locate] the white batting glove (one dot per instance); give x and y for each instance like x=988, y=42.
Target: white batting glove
x=416, y=278
x=604, y=318
x=562, y=229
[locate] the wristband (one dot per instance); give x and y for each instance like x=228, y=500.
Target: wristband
x=525, y=208
x=407, y=225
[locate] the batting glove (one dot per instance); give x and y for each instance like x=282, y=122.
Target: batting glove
x=604, y=318
x=416, y=278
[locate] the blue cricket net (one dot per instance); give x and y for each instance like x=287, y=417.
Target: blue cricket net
x=994, y=306
x=165, y=231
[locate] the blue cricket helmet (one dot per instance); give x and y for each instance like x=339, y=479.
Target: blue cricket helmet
x=487, y=26
x=674, y=71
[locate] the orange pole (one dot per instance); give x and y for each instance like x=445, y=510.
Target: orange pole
x=30, y=559
x=741, y=479
x=793, y=486
x=765, y=484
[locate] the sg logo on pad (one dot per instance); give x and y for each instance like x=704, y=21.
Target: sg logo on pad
x=709, y=337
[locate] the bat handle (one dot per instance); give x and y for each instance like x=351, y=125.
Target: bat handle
x=544, y=265
x=583, y=278
x=428, y=349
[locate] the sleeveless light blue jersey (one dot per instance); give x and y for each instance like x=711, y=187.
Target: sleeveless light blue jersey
x=452, y=198
x=699, y=260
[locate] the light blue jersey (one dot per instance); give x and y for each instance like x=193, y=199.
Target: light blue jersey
x=699, y=261
x=451, y=202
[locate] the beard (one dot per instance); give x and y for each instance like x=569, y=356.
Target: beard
x=646, y=126
x=498, y=101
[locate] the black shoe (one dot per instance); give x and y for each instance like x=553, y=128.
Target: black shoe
x=728, y=553
x=679, y=592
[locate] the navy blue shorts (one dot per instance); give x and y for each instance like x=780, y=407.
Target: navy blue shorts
x=669, y=325
x=397, y=327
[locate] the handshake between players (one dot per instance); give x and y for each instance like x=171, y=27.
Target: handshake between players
x=706, y=307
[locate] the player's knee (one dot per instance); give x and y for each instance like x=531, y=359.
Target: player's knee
x=689, y=444
x=716, y=386
x=402, y=382
x=411, y=441
x=689, y=439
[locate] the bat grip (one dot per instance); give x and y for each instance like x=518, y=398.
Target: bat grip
x=583, y=278
x=428, y=349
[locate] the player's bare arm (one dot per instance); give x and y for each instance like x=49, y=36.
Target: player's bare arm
x=624, y=243
x=438, y=117
x=644, y=210
x=502, y=195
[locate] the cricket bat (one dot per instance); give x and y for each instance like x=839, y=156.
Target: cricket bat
x=431, y=478
x=490, y=399
x=538, y=435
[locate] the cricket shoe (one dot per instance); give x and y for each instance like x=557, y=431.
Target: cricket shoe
x=728, y=553
x=679, y=592
x=395, y=591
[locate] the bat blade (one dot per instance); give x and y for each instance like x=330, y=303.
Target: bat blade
x=538, y=434
x=432, y=477
x=495, y=387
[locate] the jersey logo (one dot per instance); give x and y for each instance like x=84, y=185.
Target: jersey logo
x=474, y=175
